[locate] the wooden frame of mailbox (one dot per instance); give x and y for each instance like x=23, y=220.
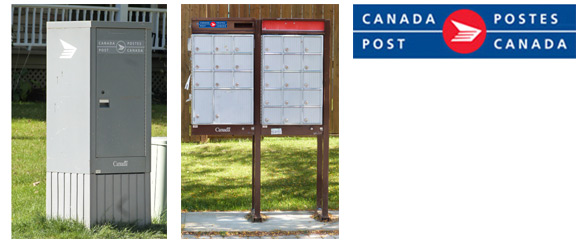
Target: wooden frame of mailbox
x=258, y=130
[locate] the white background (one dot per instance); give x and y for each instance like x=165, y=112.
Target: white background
x=433, y=152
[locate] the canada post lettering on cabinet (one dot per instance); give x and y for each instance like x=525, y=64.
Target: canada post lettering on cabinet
x=464, y=31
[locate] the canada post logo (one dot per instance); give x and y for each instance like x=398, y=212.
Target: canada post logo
x=464, y=31
x=212, y=24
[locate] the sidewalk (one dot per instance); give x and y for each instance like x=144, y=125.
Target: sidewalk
x=196, y=222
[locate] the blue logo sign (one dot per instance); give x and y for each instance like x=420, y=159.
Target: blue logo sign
x=212, y=24
x=464, y=31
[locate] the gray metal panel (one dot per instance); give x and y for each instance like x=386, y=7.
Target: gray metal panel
x=67, y=212
x=148, y=198
x=49, y=202
x=55, y=195
x=61, y=195
x=108, y=197
x=90, y=201
x=94, y=24
x=121, y=165
x=133, y=198
x=120, y=82
x=68, y=108
x=141, y=197
x=74, y=205
x=117, y=198
x=125, y=196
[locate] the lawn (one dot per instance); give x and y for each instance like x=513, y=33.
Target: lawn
x=216, y=176
x=28, y=182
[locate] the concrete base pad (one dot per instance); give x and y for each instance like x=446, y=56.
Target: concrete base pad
x=236, y=221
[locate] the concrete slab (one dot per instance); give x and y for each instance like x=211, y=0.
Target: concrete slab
x=235, y=221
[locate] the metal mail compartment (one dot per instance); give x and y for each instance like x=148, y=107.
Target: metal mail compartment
x=222, y=44
x=223, y=79
x=292, y=116
x=243, y=62
x=273, y=62
x=272, y=80
x=203, y=44
x=292, y=62
x=272, y=98
x=312, y=80
x=243, y=79
x=292, y=44
x=243, y=44
x=272, y=116
x=312, y=62
x=203, y=62
x=203, y=79
x=272, y=44
x=292, y=81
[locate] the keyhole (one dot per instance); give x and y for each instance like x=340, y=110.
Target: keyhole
x=102, y=92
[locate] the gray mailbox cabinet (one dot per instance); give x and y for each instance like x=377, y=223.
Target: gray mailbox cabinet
x=98, y=121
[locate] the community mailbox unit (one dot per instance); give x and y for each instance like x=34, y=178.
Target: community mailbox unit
x=295, y=58
x=98, y=122
x=262, y=78
x=223, y=73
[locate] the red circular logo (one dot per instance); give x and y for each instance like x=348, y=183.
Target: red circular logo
x=213, y=24
x=464, y=31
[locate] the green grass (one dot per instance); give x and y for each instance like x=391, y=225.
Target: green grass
x=216, y=176
x=28, y=168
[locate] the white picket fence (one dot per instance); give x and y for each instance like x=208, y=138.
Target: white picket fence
x=29, y=21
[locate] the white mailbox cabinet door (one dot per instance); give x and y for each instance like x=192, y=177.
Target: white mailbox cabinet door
x=272, y=62
x=223, y=43
x=292, y=116
x=312, y=62
x=312, y=98
x=272, y=44
x=243, y=79
x=312, y=116
x=292, y=44
x=292, y=98
x=234, y=106
x=292, y=62
x=272, y=116
x=272, y=98
x=203, y=79
x=243, y=62
x=223, y=62
x=292, y=79
x=243, y=44
x=202, y=44
x=313, y=80
x=222, y=90
x=272, y=80
x=223, y=79
x=313, y=44
x=202, y=107
x=202, y=62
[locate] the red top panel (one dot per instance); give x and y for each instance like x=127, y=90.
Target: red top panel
x=293, y=25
